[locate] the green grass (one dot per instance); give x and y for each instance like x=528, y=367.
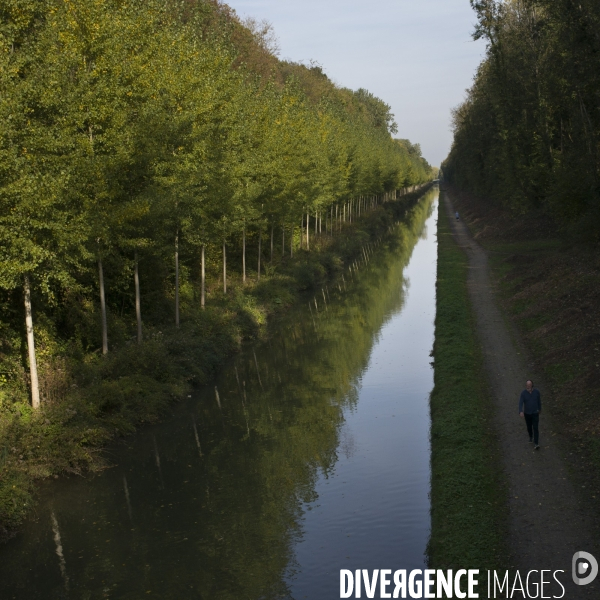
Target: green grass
x=564, y=372
x=468, y=492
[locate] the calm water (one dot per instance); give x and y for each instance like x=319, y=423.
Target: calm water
x=314, y=458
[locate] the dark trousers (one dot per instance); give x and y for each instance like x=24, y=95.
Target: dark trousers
x=533, y=422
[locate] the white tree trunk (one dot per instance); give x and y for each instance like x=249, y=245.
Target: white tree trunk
x=307, y=230
x=202, y=278
x=103, y=307
x=244, y=254
x=138, y=303
x=35, y=386
x=259, y=251
x=224, y=268
x=177, y=279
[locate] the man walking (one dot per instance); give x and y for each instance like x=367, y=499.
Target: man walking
x=530, y=407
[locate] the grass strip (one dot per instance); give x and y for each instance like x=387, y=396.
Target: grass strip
x=468, y=492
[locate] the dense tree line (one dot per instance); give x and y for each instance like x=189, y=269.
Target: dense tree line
x=528, y=134
x=142, y=141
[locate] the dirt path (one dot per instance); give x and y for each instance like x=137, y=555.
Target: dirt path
x=547, y=524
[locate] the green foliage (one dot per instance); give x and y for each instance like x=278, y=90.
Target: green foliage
x=123, y=124
x=127, y=127
x=528, y=135
x=308, y=273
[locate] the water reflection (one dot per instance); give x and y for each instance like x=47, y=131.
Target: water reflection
x=372, y=507
x=218, y=501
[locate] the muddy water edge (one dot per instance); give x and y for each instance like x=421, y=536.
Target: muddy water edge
x=308, y=454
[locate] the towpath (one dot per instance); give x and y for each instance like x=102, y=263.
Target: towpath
x=547, y=523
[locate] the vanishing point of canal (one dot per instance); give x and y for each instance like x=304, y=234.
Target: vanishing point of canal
x=307, y=455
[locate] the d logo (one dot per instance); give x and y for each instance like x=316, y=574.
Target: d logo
x=585, y=568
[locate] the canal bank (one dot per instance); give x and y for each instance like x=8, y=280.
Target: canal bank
x=468, y=491
x=316, y=434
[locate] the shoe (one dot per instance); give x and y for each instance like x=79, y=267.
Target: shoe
x=536, y=447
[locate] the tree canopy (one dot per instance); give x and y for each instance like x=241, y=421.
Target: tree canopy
x=115, y=110
x=528, y=134
x=162, y=132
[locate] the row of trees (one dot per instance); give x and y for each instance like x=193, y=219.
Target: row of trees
x=528, y=134
x=136, y=129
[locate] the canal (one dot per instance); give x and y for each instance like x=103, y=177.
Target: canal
x=309, y=454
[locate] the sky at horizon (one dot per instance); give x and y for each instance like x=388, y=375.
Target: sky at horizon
x=417, y=56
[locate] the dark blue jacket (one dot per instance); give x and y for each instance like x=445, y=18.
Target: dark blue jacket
x=530, y=402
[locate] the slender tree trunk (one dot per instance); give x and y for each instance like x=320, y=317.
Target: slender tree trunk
x=259, y=252
x=138, y=303
x=177, y=279
x=224, y=268
x=103, y=307
x=307, y=230
x=316, y=223
x=244, y=253
x=292, y=242
x=202, y=277
x=35, y=387
x=301, y=232
x=272, y=233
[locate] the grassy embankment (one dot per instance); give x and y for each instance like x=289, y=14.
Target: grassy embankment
x=549, y=286
x=90, y=399
x=468, y=495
